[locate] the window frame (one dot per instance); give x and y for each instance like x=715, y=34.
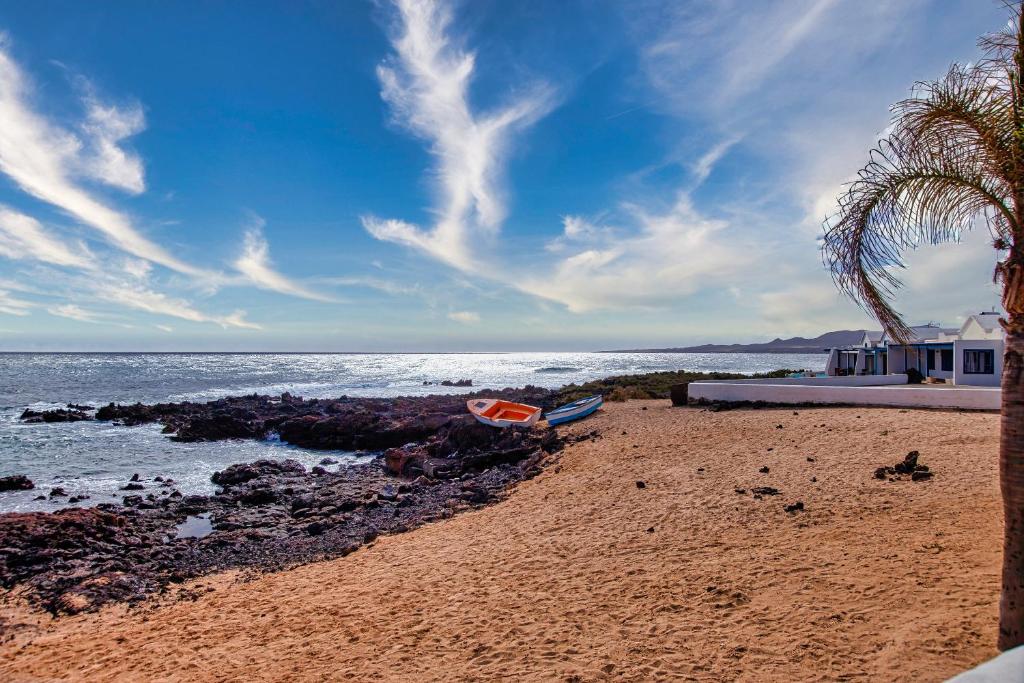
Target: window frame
x=986, y=361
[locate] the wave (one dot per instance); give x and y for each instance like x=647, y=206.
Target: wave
x=557, y=369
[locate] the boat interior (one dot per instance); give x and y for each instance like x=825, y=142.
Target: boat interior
x=507, y=411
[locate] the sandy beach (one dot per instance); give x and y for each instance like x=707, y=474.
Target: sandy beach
x=633, y=558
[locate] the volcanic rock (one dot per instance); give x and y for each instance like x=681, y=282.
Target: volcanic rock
x=17, y=482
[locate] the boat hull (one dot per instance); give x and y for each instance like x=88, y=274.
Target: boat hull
x=574, y=411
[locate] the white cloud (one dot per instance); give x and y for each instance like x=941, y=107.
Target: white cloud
x=254, y=263
x=105, y=128
x=22, y=237
x=12, y=305
x=41, y=159
x=381, y=285
x=465, y=317
x=164, y=328
x=73, y=312
x=670, y=255
x=143, y=299
x=426, y=84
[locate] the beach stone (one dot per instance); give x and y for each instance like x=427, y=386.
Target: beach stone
x=641, y=485
x=764, y=470
x=794, y=507
x=765, y=491
x=921, y=475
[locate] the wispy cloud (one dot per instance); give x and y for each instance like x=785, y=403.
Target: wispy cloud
x=23, y=237
x=105, y=128
x=74, y=313
x=12, y=305
x=669, y=255
x=464, y=317
x=426, y=83
x=43, y=158
x=143, y=299
x=254, y=263
x=379, y=284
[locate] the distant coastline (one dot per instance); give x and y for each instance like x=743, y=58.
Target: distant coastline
x=819, y=344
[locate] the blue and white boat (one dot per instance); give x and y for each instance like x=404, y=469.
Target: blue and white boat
x=575, y=410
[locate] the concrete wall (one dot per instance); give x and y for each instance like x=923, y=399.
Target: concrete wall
x=963, y=378
x=913, y=396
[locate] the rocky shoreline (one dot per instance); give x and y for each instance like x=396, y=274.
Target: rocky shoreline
x=433, y=460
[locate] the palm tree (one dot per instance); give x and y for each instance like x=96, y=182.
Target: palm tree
x=953, y=160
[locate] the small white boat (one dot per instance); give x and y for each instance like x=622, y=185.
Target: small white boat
x=498, y=413
x=575, y=410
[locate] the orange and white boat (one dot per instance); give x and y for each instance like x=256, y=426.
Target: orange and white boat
x=498, y=413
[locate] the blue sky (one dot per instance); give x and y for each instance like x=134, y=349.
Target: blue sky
x=451, y=175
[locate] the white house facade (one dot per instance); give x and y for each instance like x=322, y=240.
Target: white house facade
x=971, y=355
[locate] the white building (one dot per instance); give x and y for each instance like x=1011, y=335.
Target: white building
x=971, y=355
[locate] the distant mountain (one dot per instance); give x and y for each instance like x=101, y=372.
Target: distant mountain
x=791, y=345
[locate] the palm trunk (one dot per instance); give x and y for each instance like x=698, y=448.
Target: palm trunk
x=1011, y=478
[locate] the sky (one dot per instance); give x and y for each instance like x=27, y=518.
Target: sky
x=452, y=176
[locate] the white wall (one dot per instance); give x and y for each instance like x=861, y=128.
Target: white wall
x=847, y=381
x=911, y=396
x=963, y=378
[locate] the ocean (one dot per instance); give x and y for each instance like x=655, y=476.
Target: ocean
x=96, y=459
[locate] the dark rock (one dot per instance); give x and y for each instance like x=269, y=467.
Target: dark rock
x=241, y=473
x=58, y=415
x=741, y=491
x=794, y=507
x=457, y=383
x=328, y=461
x=765, y=491
x=17, y=482
x=764, y=470
x=641, y=485
x=57, y=492
x=909, y=463
x=650, y=530
x=135, y=477
x=679, y=394
x=132, y=486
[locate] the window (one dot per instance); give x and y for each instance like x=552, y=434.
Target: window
x=947, y=360
x=979, y=362
x=931, y=359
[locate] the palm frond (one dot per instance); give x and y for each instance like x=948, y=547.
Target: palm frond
x=906, y=196
x=954, y=157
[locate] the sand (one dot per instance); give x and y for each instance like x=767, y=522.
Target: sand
x=581, y=575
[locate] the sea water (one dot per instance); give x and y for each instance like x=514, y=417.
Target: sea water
x=96, y=458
